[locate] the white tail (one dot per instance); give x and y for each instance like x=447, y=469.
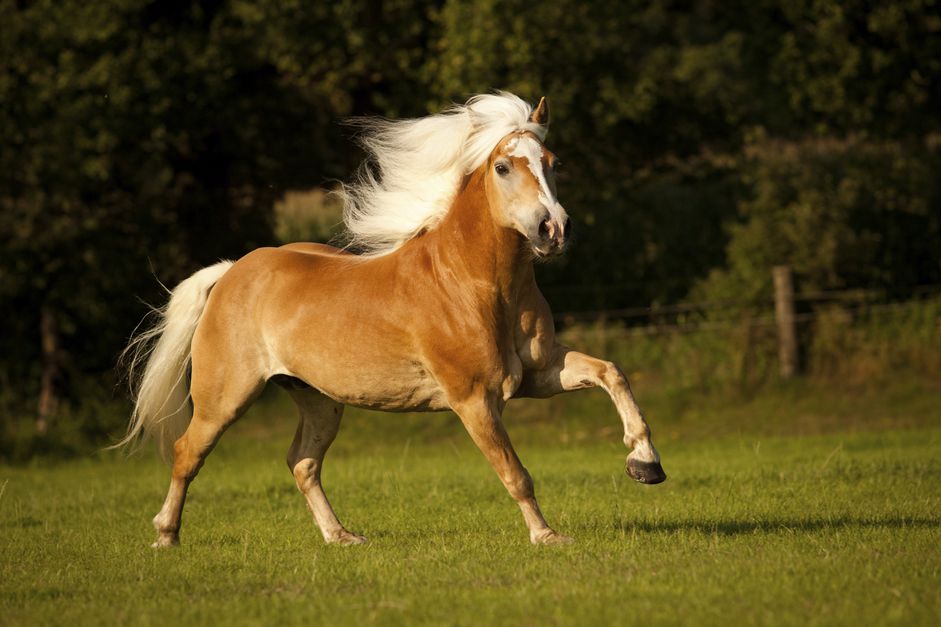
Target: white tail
x=161, y=393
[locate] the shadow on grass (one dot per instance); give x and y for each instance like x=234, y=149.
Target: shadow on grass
x=742, y=527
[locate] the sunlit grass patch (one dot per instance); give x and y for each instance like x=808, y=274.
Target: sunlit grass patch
x=753, y=527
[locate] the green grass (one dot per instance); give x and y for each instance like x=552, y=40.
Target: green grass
x=798, y=507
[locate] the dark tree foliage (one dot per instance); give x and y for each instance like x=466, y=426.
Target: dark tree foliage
x=654, y=101
x=142, y=140
x=702, y=141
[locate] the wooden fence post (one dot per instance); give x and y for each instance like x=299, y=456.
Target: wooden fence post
x=784, y=315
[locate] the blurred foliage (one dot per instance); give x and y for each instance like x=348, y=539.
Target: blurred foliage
x=873, y=346
x=850, y=348
x=312, y=215
x=702, y=142
x=145, y=139
x=654, y=101
x=842, y=213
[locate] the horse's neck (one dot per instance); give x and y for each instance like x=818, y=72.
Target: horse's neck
x=480, y=251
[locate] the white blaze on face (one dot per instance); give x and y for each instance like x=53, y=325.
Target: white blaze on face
x=529, y=148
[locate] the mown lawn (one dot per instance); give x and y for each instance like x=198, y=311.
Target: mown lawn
x=765, y=519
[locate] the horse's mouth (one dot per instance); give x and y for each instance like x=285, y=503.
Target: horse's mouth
x=545, y=254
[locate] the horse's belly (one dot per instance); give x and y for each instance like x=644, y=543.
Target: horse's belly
x=397, y=387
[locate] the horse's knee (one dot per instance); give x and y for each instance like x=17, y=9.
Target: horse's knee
x=611, y=374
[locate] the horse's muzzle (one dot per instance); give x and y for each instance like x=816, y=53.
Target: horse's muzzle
x=552, y=237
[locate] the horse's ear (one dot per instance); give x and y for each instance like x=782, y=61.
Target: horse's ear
x=540, y=114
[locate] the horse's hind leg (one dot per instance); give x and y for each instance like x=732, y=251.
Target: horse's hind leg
x=318, y=426
x=231, y=398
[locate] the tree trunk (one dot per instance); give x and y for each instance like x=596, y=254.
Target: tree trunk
x=48, y=394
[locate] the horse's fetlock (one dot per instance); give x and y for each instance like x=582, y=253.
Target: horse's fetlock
x=163, y=525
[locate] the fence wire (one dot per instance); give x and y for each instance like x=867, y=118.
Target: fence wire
x=739, y=316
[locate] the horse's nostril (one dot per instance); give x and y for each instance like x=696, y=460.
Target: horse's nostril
x=545, y=228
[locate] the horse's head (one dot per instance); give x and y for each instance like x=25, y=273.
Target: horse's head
x=521, y=188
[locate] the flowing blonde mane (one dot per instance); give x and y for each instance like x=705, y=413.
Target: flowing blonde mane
x=413, y=167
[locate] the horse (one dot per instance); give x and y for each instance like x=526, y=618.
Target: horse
x=437, y=310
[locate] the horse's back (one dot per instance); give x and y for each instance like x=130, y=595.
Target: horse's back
x=314, y=248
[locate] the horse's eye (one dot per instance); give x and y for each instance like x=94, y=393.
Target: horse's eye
x=502, y=169
x=556, y=165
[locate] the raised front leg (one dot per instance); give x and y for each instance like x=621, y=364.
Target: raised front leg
x=570, y=370
x=481, y=418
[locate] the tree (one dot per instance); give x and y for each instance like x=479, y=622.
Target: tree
x=842, y=214
x=146, y=137
x=656, y=103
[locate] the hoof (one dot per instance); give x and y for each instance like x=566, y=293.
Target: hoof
x=645, y=472
x=551, y=537
x=346, y=538
x=165, y=540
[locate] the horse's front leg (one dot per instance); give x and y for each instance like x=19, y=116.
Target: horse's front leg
x=481, y=418
x=570, y=370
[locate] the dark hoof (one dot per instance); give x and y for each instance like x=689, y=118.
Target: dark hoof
x=645, y=472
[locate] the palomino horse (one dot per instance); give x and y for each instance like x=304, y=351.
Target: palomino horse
x=441, y=312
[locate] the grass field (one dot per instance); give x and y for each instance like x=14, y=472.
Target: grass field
x=798, y=507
